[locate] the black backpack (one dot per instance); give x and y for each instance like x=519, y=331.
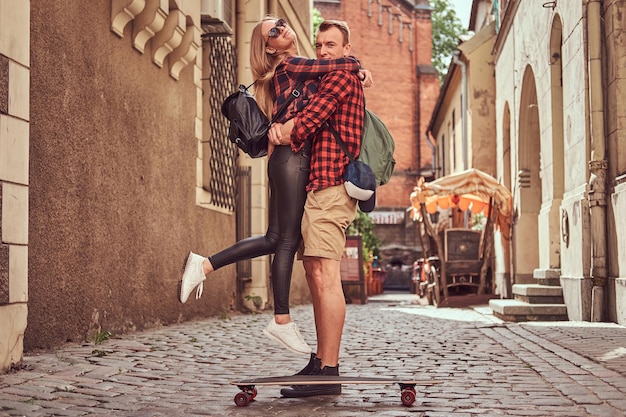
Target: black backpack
x=248, y=125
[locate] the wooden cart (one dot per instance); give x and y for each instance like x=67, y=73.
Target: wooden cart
x=463, y=263
x=467, y=254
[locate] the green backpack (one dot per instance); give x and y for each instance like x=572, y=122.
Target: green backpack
x=377, y=147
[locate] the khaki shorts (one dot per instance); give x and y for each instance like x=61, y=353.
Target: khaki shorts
x=327, y=215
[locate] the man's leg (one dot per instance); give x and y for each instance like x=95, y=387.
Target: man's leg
x=330, y=314
x=315, y=299
x=324, y=279
x=327, y=214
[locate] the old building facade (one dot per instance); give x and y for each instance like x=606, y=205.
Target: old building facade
x=559, y=145
x=560, y=110
x=114, y=163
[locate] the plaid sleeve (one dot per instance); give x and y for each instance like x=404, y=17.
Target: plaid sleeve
x=300, y=69
x=293, y=70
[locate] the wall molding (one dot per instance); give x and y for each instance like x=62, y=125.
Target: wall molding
x=163, y=23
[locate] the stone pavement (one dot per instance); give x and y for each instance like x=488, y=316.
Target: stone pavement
x=486, y=368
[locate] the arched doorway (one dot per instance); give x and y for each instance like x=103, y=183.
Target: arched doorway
x=528, y=193
x=552, y=170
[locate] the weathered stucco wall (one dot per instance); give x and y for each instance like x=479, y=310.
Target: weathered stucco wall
x=112, y=175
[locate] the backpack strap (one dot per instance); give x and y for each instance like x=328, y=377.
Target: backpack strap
x=295, y=93
x=340, y=141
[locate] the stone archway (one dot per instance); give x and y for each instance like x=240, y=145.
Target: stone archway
x=552, y=171
x=528, y=193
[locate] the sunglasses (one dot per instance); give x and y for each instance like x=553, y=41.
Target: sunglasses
x=275, y=32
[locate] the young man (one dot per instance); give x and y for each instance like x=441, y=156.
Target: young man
x=329, y=210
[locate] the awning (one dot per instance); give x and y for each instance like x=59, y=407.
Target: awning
x=470, y=189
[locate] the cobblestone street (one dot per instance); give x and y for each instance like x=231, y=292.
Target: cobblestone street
x=485, y=368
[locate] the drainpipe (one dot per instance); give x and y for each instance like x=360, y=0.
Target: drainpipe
x=243, y=54
x=598, y=163
x=456, y=60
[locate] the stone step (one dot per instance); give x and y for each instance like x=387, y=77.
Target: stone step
x=553, y=282
x=515, y=310
x=538, y=294
x=548, y=276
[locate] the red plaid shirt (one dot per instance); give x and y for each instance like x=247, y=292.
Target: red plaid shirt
x=296, y=69
x=340, y=101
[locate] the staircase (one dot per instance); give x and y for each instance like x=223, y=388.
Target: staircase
x=542, y=301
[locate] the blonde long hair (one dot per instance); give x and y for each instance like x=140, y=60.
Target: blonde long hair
x=263, y=66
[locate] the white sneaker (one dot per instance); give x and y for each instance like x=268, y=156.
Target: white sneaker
x=193, y=276
x=288, y=336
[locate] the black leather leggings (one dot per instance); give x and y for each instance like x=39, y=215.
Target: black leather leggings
x=288, y=176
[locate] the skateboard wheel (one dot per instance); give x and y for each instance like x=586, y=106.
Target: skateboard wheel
x=242, y=399
x=253, y=394
x=408, y=397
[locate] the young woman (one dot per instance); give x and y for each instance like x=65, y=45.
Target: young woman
x=277, y=70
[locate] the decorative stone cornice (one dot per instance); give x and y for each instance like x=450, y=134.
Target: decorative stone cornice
x=122, y=12
x=169, y=37
x=149, y=23
x=162, y=22
x=186, y=52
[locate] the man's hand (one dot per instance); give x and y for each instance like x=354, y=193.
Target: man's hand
x=366, y=78
x=280, y=133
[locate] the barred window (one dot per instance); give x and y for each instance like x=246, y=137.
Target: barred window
x=220, y=176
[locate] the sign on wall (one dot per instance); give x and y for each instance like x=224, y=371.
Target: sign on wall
x=387, y=217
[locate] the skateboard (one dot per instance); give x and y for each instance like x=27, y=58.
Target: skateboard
x=249, y=391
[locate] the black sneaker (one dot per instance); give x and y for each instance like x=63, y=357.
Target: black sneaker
x=301, y=391
x=311, y=368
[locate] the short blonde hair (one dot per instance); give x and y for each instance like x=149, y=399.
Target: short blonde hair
x=339, y=24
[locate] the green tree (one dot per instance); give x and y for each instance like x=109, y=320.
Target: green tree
x=317, y=20
x=447, y=28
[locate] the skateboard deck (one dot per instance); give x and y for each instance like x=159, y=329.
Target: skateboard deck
x=249, y=391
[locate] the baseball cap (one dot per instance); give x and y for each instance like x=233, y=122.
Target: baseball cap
x=368, y=205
